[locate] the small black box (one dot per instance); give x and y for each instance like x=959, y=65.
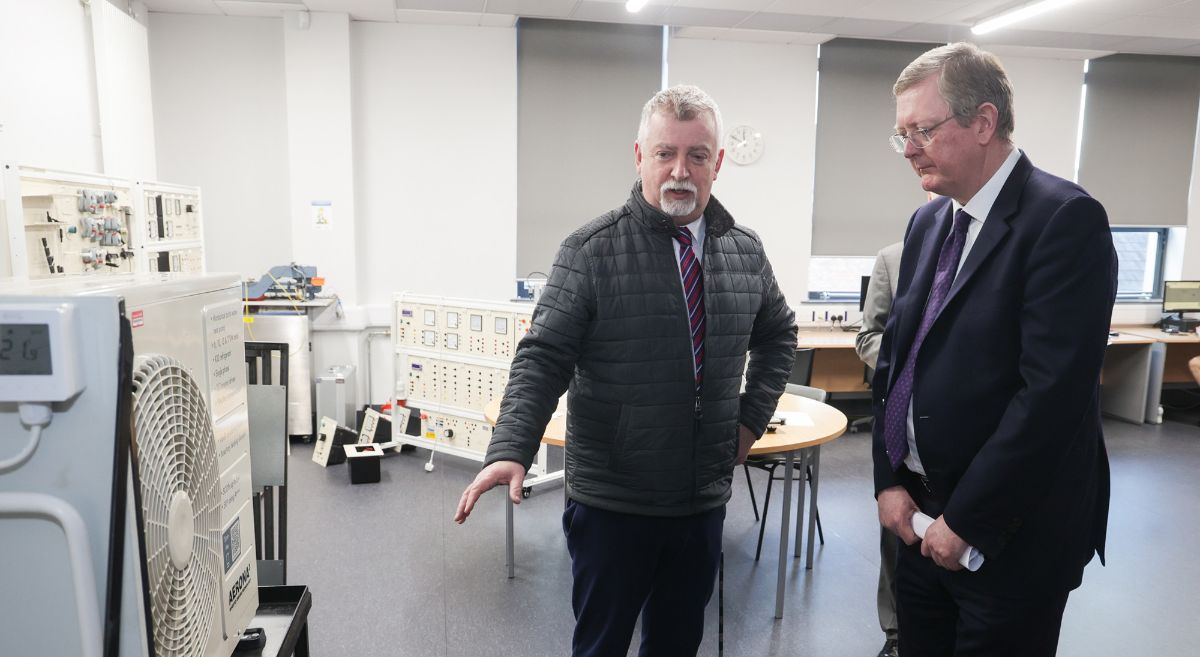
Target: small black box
x=363, y=461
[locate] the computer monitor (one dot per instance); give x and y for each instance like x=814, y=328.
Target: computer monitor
x=1181, y=297
x=862, y=294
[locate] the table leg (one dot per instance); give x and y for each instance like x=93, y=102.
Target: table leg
x=784, y=531
x=814, y=461
x=508, y=528
x=804, y=456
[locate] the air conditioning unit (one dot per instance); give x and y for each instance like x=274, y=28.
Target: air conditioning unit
x=144, y=466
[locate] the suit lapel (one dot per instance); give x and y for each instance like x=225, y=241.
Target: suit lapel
x=994, y=228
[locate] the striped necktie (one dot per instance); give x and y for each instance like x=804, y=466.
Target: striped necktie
x=693, y=290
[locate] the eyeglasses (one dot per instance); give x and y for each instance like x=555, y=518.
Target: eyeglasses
x=920, y=137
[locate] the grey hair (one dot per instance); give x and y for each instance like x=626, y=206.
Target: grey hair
x=969, y=78
x=685, y=102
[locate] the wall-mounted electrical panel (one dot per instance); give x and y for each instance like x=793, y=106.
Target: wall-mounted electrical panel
x=170, y=230
x=452, y=358
x=65, y=223
x=58, y=223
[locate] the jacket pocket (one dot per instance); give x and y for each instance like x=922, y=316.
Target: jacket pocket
x=617, y=449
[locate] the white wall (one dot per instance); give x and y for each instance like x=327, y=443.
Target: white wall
x=435, y=158
x=435, y=140
x=122, y=59
x=48, y=108
x=220, y=117
x=320, y=147
x=771, y=87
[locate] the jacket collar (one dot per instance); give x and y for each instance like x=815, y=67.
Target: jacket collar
x=717, y=220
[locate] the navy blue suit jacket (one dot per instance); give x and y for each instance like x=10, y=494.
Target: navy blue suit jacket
x=1006, y=395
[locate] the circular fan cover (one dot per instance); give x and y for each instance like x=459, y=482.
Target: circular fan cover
x=180, y=487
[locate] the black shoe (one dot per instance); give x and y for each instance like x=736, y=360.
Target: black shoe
x=890, y=648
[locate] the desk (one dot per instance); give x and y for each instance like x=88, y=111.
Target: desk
x=828, y=424
x=1130, y=385
x=836, y=367
x=1125, y=376
x=1169, y=358
x=1178, y=349
x=307, y=305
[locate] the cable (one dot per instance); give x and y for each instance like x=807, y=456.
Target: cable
x=10, y=464
x=285, y=292
x=36, y=416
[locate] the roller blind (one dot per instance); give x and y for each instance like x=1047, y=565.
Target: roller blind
x=581, y=87
x=1139, y=136
x=864, y=192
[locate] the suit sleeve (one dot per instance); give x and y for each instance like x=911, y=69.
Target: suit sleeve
x=875, y=313
x=772, y=350
x=545, y=359
x=1068, y=294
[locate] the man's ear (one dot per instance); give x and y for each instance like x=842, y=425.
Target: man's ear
x=637, y=157
x=985, y=122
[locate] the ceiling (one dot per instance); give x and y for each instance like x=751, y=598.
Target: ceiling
x=1084, y=28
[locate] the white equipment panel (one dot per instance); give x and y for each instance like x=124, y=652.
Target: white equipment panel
x=452, y=358
x=59, y=222
x=66, y=223
x=169, y=228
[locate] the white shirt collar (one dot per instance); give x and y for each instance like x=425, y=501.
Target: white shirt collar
x=981, y=204
x=697, y=226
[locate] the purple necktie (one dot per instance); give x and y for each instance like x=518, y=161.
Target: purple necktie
x=693, y=289
x=895, y=419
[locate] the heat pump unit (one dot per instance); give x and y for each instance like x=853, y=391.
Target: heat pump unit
x=144, y=466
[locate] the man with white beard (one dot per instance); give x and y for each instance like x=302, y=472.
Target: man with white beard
x=648, y=317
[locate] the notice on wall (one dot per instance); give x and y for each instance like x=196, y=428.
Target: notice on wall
x=322, y=214
x=224, y=357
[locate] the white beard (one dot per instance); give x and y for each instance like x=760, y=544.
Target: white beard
x=677, y=208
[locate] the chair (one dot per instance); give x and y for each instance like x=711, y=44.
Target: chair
x=801, y=374
x=868, y=420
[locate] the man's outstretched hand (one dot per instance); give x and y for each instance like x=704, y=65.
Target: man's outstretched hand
x=500, y=472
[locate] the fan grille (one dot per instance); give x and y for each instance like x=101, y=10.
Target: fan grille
x=176, y=455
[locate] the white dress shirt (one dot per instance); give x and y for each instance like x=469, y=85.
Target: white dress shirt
x=978, y=207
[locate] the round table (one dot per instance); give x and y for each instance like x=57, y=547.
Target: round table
x=808, y=425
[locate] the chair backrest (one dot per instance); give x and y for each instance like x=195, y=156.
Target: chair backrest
x=802, y=367
x=806, y=391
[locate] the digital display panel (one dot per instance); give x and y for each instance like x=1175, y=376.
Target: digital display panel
x=24, y=349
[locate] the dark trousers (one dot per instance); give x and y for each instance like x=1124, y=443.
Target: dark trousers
x=944, y=614
x=889, y=549
x=624, y=565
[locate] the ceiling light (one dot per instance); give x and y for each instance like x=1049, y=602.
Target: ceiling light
x=1019, y=14
x=634, y=6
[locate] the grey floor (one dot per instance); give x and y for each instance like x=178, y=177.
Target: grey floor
x=391, y=574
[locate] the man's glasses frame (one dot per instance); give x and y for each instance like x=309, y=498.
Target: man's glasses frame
x=920, y=137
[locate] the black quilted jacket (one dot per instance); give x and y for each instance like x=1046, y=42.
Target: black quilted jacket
x=612, y=324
